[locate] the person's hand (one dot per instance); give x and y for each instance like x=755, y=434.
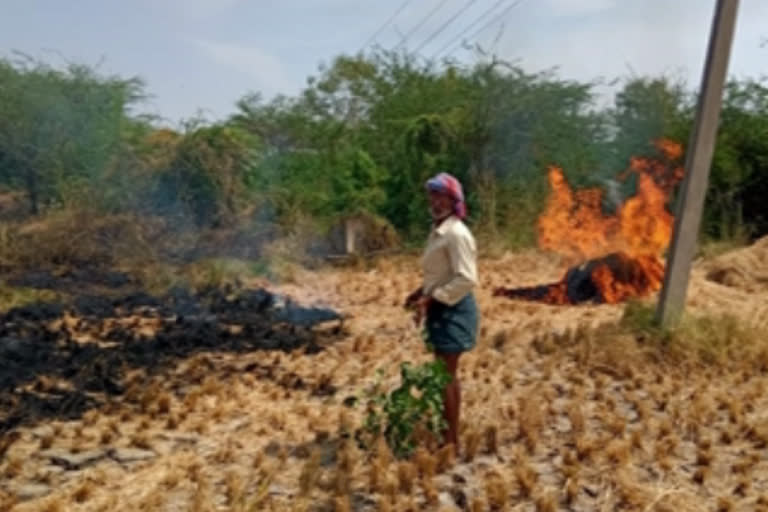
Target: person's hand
x=411, y=300
x=422, y=305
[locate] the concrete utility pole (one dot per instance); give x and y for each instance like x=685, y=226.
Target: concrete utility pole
x=701, y=146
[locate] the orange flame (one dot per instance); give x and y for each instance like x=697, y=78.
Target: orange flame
x=625, y=248
x=575, y=225
x=634, y=276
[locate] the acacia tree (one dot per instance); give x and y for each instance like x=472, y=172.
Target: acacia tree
x=59, y=128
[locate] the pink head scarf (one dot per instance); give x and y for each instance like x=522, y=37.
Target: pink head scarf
x=447, y=184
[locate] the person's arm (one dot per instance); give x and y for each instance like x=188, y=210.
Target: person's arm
x=461, y=252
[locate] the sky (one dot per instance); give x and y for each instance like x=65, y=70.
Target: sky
x=197, y=57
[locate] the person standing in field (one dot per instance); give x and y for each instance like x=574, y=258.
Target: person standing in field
x=446, y=301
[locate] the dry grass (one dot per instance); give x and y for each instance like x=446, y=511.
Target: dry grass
x=497, y=491
x=531, y=419
x=471, y=442
x=406, y=477
x=77, y=237
x=491, y=439
x=527, y=479
x=83, y=492
x=588, y=407
x=720, y=339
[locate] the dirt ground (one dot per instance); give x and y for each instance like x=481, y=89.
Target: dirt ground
x=541, y=429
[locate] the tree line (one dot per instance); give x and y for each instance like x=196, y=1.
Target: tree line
x=361, y=138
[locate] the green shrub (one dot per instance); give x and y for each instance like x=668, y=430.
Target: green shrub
x=417, y=402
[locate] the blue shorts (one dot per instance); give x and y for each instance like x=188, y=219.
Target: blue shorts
x=452, y=329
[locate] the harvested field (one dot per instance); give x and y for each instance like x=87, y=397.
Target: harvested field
x=563, y=408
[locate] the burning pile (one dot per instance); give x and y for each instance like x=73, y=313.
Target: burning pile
x=621, y=252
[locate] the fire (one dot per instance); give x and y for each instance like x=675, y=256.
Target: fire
x=575, y=225
x=622, y=250
x=634, y=276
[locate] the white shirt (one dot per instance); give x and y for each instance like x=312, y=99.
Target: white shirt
x=449, y=262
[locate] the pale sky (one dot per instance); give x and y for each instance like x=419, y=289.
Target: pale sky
x=205, y=54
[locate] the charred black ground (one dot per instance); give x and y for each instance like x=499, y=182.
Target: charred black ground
x=58, y=360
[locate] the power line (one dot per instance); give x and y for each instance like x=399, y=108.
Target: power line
x=421, y=23
x=497, y=19
x=468, y=28
x=384, y=25
x=445, y=25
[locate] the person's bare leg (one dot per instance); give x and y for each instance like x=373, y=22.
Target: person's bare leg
x=452, y=400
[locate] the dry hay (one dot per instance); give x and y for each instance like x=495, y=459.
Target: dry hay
x=558, y=414
x=78, y=238
x=745, y=268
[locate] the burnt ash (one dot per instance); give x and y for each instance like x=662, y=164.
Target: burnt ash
x=88, y=355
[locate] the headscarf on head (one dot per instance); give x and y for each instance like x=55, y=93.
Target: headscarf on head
x=447, y=184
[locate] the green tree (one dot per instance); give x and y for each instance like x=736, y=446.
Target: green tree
x=59, y=129
x=208, y=174
x=356, y=184
x=646, y=109
x=739, y=177
x=491, y=124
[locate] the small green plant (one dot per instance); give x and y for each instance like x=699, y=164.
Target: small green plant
x=418, y=401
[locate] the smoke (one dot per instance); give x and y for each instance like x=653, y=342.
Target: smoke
x=613, y=194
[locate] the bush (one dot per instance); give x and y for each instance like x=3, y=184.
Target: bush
x=416, y=404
